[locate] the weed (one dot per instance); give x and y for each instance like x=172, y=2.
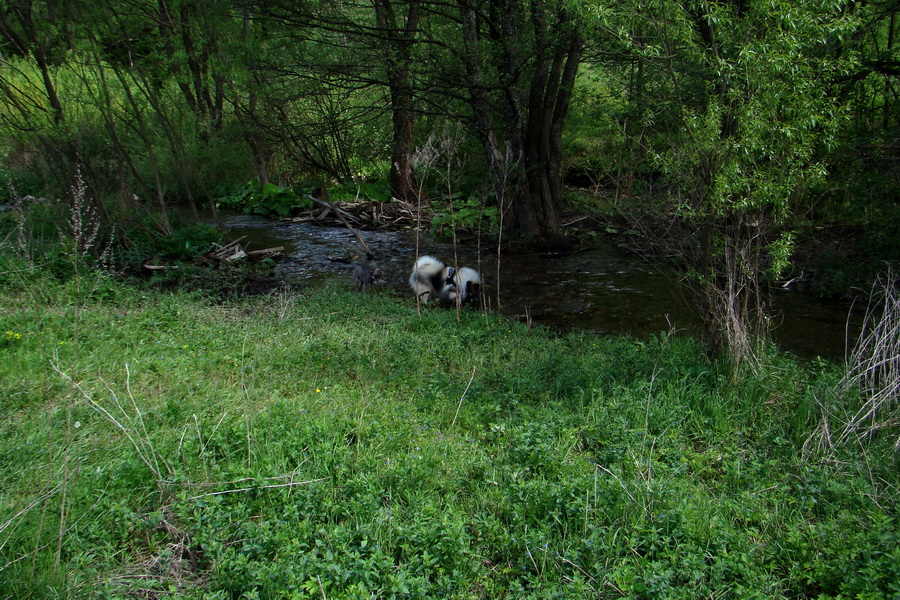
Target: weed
x=269, y=201
x=321, y=443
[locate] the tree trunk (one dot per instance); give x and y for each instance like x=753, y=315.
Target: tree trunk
x=537, y=77
x=403, y=180
x=499, y=163
x=397, y=59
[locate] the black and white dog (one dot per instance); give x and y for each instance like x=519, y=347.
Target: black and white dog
x=431, y=278
x=468, y=285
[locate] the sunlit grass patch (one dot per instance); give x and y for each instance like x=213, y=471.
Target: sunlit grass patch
x=322, y=442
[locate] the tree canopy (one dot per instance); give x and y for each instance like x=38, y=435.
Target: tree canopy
x=719, y=124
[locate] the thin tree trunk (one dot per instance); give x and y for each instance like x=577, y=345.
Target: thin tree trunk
x=106, y=109
x=886, y=118
x=34, y=45
x=402, y=179
x=141, y=129
x=167, y=31
x=498, y=162
x=182, y=161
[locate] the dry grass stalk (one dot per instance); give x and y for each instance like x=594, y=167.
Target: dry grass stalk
x=873, y=367
x=130, y=424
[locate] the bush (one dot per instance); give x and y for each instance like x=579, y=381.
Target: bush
x=269, y=201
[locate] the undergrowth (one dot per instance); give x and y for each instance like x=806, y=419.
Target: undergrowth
x=329, y=444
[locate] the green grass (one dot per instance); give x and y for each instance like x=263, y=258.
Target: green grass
x=327, y=444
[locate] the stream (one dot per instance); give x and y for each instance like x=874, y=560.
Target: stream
x=601, y=290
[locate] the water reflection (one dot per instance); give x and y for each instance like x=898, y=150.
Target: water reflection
x=600, y=290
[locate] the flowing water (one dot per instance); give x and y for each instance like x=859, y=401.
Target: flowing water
x=600, y=290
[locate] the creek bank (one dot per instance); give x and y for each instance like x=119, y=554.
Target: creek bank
x=832, y=261
x=588, y=279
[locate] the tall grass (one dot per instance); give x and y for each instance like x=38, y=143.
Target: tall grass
x=874, y=365
x=328, y=444
x=866, y=402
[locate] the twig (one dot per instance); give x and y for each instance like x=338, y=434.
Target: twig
x=31, y=505
x=575, y=221
x=622, y=485
x=241, y=480
x=321, y=588
x=139, y=447
x=220, y=249
x=458, y=406
x=262, y=487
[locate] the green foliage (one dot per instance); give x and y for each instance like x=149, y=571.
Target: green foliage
x=779, y=251
x=470, y=214
x=598, y=152
x=372, y=192
x=269, y=201
x=330, y=443
x=189, y=241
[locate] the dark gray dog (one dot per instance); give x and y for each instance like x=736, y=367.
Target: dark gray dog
x=363, y=276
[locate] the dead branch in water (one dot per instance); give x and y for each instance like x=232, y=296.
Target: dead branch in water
x=342, y=215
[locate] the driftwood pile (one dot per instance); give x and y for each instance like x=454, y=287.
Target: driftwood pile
x=360, y=213
x=229, y=253
x=366, y=214
x=234, y=251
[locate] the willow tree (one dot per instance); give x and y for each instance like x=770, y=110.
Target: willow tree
x=361, y=54
x=736, y=129
x=514, y=69
x=38, y=33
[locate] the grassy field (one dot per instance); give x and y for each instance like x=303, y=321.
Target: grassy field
x=321, y=443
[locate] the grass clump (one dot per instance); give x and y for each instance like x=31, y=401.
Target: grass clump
x=329, y=444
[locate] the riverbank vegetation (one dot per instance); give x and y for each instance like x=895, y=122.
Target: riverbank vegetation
x=167, y=433
x=743, y=142
x=319, y=442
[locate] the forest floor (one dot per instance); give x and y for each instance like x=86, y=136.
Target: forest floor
x=329, y=443
x=326, y=443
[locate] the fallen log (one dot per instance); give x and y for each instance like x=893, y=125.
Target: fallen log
x=267, y=253
x=238, y=255
x=341, y=214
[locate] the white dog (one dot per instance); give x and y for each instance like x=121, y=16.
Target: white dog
x=432, y=278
